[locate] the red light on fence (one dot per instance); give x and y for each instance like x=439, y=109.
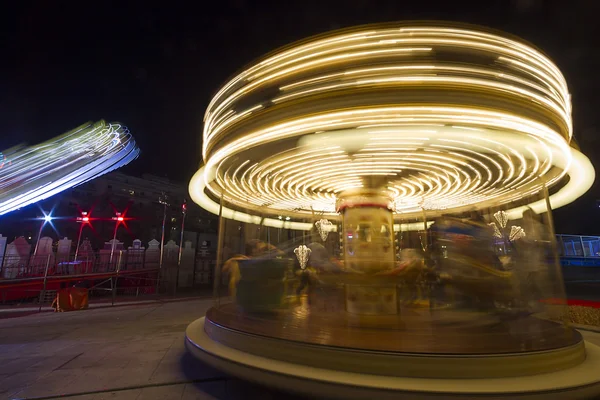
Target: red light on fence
x=85, y=218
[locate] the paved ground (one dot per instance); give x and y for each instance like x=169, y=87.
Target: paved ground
x=127, y=352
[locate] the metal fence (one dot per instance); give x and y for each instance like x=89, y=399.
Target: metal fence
x=37, y=278
x=579, y=246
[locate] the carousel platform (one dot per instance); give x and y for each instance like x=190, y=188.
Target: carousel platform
x=418, y=330
x=340, y=372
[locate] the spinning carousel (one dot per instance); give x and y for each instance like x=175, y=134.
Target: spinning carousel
x=384, y=197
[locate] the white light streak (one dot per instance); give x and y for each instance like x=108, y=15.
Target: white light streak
x=292, y=132
x=38, y=172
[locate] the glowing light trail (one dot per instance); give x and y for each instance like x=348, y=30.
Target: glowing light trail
x=442, y=117
x=38, y=172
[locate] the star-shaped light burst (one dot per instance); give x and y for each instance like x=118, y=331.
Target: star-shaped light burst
x=302, y=252
x=323, y=227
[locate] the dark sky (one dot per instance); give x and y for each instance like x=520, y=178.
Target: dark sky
x=155, y=68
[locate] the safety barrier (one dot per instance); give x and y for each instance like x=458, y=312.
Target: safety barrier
x=35, y=278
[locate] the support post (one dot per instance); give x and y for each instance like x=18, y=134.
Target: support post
x=112, y=247
x=43, y=292
x=217, y=278
x=424, y=230
x=183, y=213
x=162, y=200
x=114, y=287
x=78, y=242
x=39, y=235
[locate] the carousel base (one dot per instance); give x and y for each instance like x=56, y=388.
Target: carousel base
x=576, y=382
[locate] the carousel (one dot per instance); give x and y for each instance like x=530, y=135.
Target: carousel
x=384, y=196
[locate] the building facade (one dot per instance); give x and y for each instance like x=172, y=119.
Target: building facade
x=136, y=198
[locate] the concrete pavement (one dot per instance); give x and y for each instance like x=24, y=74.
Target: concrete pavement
x=128, y=352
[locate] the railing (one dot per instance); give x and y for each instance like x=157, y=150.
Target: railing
x=37, y=277
x=578, y=246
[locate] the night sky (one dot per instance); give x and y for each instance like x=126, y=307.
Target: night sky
x=155, y=68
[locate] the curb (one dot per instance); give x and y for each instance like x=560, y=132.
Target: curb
x=5, y=313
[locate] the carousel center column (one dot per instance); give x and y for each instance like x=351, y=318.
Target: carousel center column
x=368, y=250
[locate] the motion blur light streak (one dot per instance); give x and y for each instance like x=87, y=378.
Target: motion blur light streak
x=460, y=135
x=448, y=118
x=38, y=172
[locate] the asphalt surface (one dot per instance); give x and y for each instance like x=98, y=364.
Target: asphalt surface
x=127, y=352
x=133, y=351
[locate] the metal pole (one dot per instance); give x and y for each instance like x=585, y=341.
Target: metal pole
x=183, y=212
x=163, y=201
x=425, y=230
x=195, y=259
x=78, y=242
x=582, y=246
x=181, y=238
x=114, y=287
x=37, y=243
x=3, y=261
x=43, y=293
x=217, y=278
x=112, y=247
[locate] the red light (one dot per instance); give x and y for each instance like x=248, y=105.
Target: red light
x=85, y=219
x=119, y=218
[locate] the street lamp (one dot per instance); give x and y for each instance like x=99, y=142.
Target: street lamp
x=45, y=219
x=163, y=199
x=83, y=219
x=118, y=218
x=183, y=212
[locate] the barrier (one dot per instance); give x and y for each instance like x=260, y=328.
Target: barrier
x=31, y=278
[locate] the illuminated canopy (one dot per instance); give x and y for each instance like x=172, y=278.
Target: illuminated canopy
x=31, y=174
x=441, y=117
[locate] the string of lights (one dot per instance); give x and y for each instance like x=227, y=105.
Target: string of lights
x=443, y=118
x=31, y=174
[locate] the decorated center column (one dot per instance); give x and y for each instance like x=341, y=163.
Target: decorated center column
x=368, y=249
